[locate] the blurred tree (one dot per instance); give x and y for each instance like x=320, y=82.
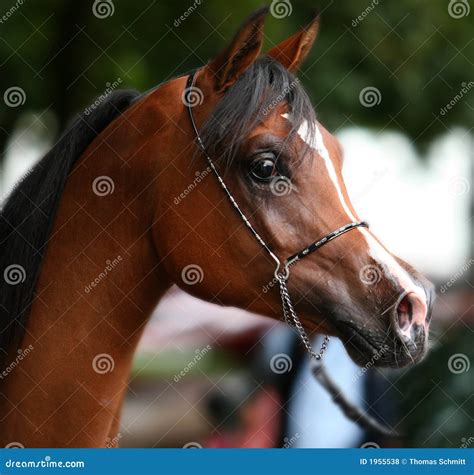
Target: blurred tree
x=416, y=58
x=416, y=54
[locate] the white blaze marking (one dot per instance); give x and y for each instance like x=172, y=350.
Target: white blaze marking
x=380, y=255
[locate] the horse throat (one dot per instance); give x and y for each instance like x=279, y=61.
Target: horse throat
x=99, y=282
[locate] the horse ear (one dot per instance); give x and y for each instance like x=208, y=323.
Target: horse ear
x=292, y=52
x=244, y=49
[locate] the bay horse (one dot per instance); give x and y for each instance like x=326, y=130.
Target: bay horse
x=101, y=228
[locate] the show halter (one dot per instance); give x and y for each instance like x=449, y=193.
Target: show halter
x=282, y=274
x=282, y=270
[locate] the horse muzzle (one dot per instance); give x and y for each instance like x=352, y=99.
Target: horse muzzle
x=398, y=339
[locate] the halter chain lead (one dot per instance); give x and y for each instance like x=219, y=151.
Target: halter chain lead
x=282, y=273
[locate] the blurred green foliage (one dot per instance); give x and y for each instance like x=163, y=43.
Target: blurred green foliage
x=415, y=53
x=436, y=396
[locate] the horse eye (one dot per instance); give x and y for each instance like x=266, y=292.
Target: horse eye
x=264, y=168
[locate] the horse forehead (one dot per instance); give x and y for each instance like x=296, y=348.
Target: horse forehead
x=272, y=124
x=322, y=141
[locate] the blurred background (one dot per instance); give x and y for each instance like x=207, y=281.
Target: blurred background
x=394, y=81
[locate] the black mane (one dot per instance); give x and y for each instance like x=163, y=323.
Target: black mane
x=27, y=217
x=264, y=86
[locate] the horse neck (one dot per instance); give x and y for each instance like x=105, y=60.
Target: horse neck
x=99, y=282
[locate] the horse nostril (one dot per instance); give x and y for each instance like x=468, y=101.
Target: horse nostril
x=411, y=314
x=405, y=313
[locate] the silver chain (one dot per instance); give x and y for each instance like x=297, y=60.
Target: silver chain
x=289, y=313
x=292, y=319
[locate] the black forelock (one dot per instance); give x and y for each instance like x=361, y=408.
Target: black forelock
x=264, y=86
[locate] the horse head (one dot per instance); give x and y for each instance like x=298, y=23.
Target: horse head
x=284, y=169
